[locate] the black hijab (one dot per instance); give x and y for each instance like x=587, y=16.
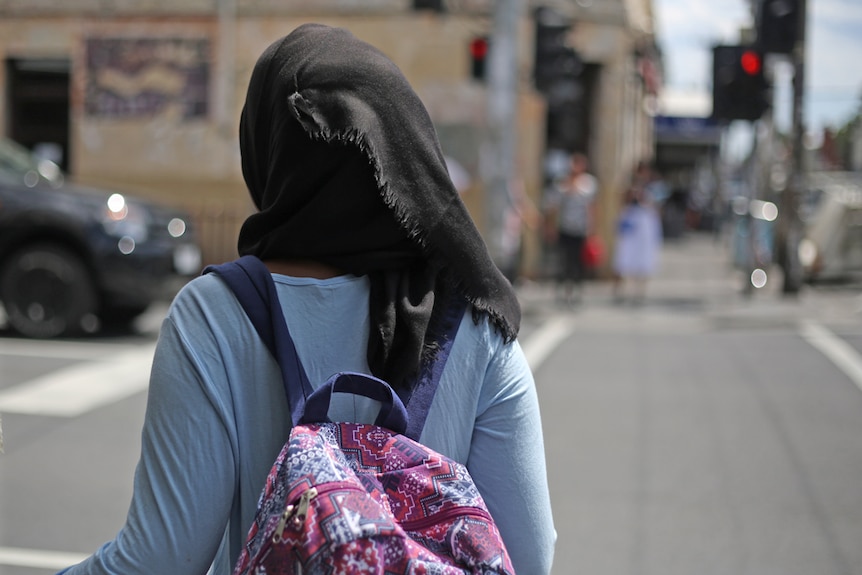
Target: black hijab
x=343, y=163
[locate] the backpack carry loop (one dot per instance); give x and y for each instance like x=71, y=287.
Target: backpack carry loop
x=392, y=416
x=406, y=412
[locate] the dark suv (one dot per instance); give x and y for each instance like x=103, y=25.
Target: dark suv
x=73, y=259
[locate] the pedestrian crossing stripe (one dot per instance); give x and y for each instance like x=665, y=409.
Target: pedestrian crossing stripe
x=546, y=339
x=38, y=559
x=836, y=349
x=80, y=388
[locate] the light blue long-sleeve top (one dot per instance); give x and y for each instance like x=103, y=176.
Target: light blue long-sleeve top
x=217, y=417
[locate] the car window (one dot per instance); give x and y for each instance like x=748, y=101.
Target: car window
x=18, y=165
x=15, y=159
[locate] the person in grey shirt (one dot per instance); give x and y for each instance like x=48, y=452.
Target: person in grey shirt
x=569, y=212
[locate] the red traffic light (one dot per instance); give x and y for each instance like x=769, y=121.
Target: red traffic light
x=479, y=48
x=739, y=88
x=751, y=62
x=478, y=53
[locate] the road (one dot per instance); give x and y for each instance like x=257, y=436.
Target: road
x=72, y=412
x=701, y=432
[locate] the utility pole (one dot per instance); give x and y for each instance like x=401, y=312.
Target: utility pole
x=499, y=150
x=792, y=228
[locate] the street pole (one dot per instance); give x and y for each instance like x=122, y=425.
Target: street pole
x=502, y=92
x=792, y=229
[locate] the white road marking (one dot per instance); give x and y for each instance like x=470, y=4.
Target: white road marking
x=56, y=349
x=108, y=374
x=38, y=559
x=836, y=349
x=545, y=340
x=77, y=389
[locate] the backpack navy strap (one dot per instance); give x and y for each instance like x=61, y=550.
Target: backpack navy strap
x=419, y=400
x=252, y=283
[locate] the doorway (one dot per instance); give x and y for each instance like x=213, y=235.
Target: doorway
x=38, y=94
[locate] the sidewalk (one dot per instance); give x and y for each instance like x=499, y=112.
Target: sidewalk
x=696, y=280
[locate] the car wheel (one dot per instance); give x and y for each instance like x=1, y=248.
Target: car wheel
x=47, y=291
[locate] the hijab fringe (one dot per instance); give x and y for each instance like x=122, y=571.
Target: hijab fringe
x=413, y=230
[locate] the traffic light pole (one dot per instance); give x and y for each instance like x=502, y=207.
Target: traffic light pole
x=502, y=91
x=791, y=230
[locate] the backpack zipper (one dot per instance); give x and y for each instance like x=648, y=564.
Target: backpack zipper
x=296, y=514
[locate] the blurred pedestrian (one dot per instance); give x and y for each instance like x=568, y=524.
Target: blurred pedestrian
x=569, y=209
x=521, y=216
x=638, y=238
x=368, y=243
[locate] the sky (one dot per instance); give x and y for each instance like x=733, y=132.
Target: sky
x=687, y=30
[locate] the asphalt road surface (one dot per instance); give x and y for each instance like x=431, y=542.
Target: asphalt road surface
x=701, y=432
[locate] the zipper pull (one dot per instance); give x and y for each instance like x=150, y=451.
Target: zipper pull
x=302, y=508
x=279, y=531
x=295, y=514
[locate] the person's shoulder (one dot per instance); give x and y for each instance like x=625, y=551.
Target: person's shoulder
x=207, y=285
x=478, y=332
x=206, y=314
x=204, y=296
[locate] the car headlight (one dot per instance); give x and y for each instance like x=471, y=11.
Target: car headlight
x=123, y=220
x=177, y=227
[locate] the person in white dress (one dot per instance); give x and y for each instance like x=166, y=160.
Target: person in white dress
x=638, y=239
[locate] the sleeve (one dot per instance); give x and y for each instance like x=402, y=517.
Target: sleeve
x=507, y=461
x=185, y=478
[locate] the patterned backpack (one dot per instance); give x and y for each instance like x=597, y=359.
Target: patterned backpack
x=356, y=498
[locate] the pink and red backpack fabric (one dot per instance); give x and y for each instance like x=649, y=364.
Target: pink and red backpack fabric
x=354, y=498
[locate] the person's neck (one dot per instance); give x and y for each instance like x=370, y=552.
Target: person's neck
x=303, y=269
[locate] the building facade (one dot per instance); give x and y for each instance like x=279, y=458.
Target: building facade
x=145, y=95
x=616, y=41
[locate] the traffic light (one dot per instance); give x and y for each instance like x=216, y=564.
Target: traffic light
x=555, y=62
x=777, y=23
x=739, y=87
x=478, y=57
